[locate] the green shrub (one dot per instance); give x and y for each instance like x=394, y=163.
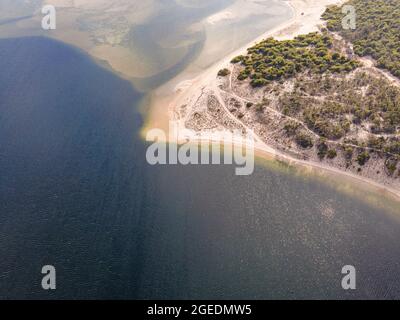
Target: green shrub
x=348, y=152
x=363, y=157
x=322, y=148
x=223, y=72
x=291, y=127
x=304, y=140
x=332, y=154
x=249, y=104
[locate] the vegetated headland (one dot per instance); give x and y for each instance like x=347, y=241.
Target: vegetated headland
x=328, y=97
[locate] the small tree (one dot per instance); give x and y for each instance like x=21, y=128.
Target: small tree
x=363, y=157
x=332, y=154
x=223, y=72
x=322, y=148
x=348, y=153
x=304, y=140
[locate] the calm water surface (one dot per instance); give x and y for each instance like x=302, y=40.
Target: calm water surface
x=75, y=192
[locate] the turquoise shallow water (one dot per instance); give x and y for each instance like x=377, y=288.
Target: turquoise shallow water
x=76, y=192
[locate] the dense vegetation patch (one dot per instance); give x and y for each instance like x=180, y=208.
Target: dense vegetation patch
x=377, y=32
x=272, y=60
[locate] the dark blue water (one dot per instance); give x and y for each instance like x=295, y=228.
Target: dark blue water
x=76, y=193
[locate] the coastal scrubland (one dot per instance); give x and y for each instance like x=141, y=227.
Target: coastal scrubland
x=330, y=96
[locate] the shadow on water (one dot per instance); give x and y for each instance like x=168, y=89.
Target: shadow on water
x=76, y=193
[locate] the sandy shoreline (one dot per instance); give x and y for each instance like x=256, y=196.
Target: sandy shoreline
x=306, y=18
